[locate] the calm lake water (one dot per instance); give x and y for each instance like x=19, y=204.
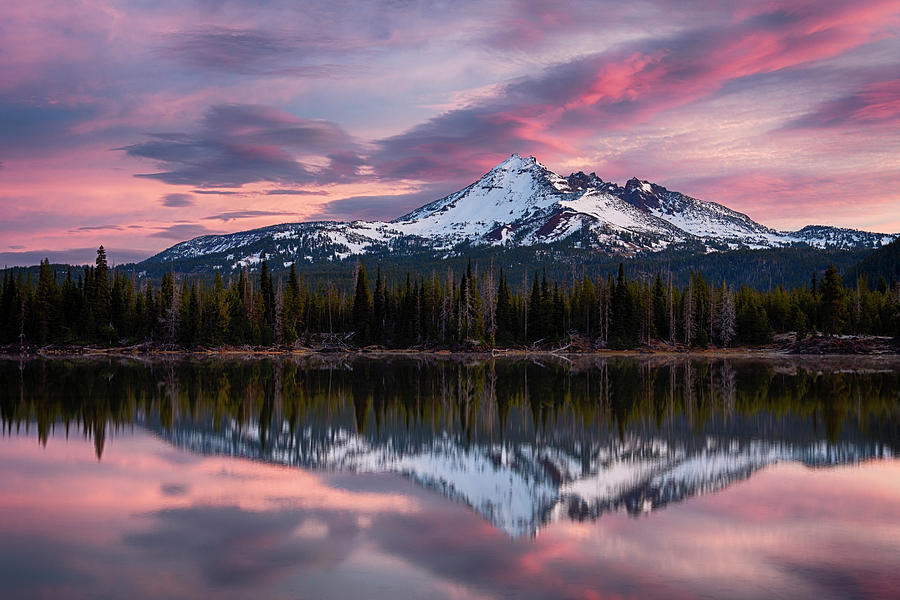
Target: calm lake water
x=410, y=478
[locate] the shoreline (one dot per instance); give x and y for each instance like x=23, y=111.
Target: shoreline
x=517, y=353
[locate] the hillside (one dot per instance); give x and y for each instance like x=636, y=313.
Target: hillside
x=882, y=263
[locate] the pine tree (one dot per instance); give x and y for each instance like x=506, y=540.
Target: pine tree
x=490, y=306
x=293, y=304
x=833, y=307
x=189, y=315
x=378, y=308
x=267, y=291
x=726, y=317
x=46, y=303
x=362, y=306
x=535, y=312
x=279, y=314
x=169, y=303
x=100, y=295
x=71, y=301
x=660, y=320
x=506, y=318
x=688, y=313
x=623, y=330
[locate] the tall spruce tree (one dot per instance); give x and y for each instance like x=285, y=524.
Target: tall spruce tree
x=832, y=304
x=46, y=303
x=623, y=329
x=535, y=319
x=362, y=306
x=378, y=308
x=101, y=295
x=506, y=318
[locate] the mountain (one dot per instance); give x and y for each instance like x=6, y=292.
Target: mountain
x=520, y=203
x=881, y=264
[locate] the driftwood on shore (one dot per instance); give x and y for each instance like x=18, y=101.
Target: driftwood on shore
x=327, y=343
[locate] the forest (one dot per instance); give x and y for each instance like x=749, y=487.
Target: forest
x=474, y=309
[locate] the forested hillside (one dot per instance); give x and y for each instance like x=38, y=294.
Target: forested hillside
x=879, y=267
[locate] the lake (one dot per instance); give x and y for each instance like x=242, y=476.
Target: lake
x=411, y=477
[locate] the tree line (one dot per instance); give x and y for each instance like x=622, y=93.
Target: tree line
x=479, y=307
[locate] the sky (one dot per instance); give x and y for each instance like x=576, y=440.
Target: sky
x=141, y=124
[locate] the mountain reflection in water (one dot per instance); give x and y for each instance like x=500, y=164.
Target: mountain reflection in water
x=523, y=442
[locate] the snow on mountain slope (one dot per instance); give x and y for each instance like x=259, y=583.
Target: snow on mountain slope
x=520, y=202
x=518, y=188
x=609, y=209
x=312, y=240
x=825, y=236
x=696, y=217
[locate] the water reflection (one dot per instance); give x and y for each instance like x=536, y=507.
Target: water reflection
x=524, y=443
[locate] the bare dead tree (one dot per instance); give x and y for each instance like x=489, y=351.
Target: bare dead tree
x=489, y=304
x=279, y=313
x=727, y=316
x=689, y=327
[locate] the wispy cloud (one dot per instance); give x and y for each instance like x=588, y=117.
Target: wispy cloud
x=287, y=192
x=177, y=200
x=878, y=104
x=99, y=228
x=245, y=51
x=226, y=49
x=248, y=214
x=239, y=144
x=181, y=231
x=381, y=207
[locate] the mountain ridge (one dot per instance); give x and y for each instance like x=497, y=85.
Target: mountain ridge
x=522, y=203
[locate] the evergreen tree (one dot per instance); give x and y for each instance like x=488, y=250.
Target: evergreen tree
x=535, y=320
x=362, y=306
x=267, y=293
x=100, y=296
x=833, y=308
x=660, y=320
x=506, y=318
x=378, y=308
x=727, y=318
x=46, y=303
x=623, y=329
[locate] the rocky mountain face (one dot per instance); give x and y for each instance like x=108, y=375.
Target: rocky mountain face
x=519, y=203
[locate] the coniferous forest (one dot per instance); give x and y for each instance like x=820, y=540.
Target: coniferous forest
x=477, y=308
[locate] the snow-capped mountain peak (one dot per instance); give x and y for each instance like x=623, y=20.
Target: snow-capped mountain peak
x=517, y=191
x=521, y=202
x=515, y=162
x=642, y=194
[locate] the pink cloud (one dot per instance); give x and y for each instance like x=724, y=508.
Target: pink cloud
x=877, y=104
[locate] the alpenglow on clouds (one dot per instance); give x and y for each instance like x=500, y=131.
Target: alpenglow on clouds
x=520, y=202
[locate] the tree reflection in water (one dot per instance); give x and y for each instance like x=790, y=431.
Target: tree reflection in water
x=523, y=442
